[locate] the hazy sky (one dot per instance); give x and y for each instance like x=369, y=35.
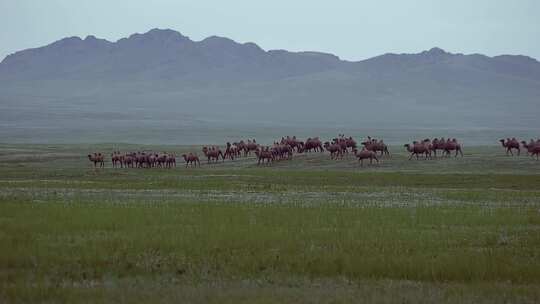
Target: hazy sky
x=353, y=29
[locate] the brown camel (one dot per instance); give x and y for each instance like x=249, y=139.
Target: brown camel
x=231, y=151
x=375, y=145
x=116, y=159
x=452, y=145
x=342, y=143
x=129, y=160
x=365, y=154
x=334, y=149
x=292, y=142
x=192, y=159
x=264, y=154
x=213, y=154
x=161, y=160
x=282, y=151
x=417, y=149
x=313, y=144
x=350, y=142
x=171, y=160
x=438, y=144
x=510, y=144
x=97, y=158
x=241, y=146
x=533, y=148
x=250, y=146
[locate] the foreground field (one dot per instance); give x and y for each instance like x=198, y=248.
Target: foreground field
x=304, y=231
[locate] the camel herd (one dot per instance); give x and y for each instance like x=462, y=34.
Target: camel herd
x=532, y=147
x=284, y=149
x=428, y=147
x=143, y=159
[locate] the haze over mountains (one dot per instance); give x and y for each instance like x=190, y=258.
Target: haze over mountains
x=162, y=80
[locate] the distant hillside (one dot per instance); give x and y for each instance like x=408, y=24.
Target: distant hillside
x=164, y=79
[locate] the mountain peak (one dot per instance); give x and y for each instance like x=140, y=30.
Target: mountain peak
x=157, y=35
x=218, y=41
x=436, y=52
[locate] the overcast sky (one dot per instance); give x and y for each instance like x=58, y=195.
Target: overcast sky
x=352, y=29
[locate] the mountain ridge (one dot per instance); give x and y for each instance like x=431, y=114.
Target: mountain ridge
x=163, y=73
x=172, y=33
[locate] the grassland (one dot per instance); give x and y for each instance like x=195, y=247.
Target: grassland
x=309, y=230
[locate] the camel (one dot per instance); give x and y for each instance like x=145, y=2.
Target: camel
x=334, y=149
x=213, y=154
x=375, y=145
x=438, y=144
x=533, y=148
x=365, y=154
x=292, y=142
x=97, y=158
x=313, y=144
x=129, y=160
x=351, y=143
x=417, y=149
x=282, y=151
x=250, y=146
x=142, y=160
x=116, y=159
x=452, y=145
x=264, y=154
x=170, y=160
x=510, y=144
x=241, y=146
x=231, y=151
x=161, y=160
x=342, y=143
x=192, y=159
x=345, y=142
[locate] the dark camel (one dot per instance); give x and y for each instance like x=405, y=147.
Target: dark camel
x=510, y=144
x=97, y=158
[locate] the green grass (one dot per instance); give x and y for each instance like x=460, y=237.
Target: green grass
x=305, y=231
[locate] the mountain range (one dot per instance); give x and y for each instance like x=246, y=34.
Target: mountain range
x=164, y=80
